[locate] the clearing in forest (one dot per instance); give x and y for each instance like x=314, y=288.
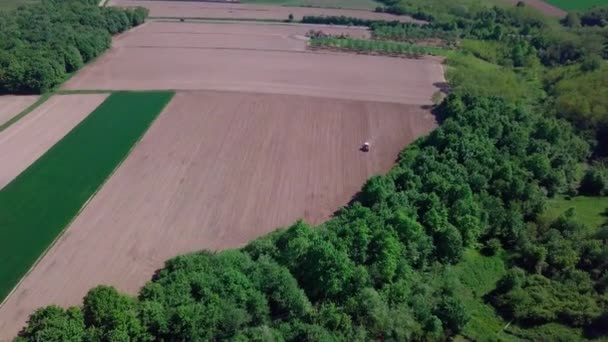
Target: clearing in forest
x=216, y=170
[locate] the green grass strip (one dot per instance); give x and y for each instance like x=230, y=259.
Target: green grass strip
x=39, y=204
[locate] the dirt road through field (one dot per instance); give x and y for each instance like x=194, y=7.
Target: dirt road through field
x=29, y=138
x=216, y=170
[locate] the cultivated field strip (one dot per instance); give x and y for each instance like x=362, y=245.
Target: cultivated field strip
x=37, y=205
x=193, y=9
x=334, y=75
x=216, y=170
x=11, y=105
x=29, y=138
x=228, y=35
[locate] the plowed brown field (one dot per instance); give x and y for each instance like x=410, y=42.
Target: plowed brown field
x=29, y=138
x=216, y=170
x=197, y=58
x=185, y=9
x=228, y=35
x=11, y=105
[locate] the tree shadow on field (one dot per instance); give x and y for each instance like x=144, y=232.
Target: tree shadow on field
x=443, y=87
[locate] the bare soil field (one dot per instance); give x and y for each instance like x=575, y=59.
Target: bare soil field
x=227, y=35
x=266, y=64
x=11, y=105
x=29, y=138
x=214, y=171
x=542, y=6
x=187, y=9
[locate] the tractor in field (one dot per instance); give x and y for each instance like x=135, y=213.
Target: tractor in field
x=365, y=147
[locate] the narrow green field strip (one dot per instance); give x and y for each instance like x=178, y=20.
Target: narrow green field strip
x=87, y=91
x=577, y=5
x=26, y=111
x=37, y=205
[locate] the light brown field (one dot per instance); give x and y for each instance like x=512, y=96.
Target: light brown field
x=263, y=65
x=542, y=6
x=29, y=138
x=228, y=35
x=11, y=105
x=186, y=9
x=216, y=170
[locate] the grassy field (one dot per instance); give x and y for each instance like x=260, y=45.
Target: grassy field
x=590, y=210
x=37, y=205
x=478, y=275
x=347, y=4
x=574, y=5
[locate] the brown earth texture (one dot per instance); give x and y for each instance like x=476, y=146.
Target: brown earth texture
x=194, y=9
x=208, y=57
x=11, y=105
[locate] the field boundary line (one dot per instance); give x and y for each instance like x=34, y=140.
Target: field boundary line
x=86, y=203
x=26, y=111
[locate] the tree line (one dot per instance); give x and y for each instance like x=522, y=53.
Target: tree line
x=41, y=44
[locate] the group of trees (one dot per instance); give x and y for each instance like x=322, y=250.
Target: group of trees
x=371, y=46
x=412, y=33
x=347, y=21
x=41, y=44
x=560, y=274
x=373, y=272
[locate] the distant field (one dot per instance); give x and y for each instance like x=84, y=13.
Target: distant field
x=41, y=201
x=572, y=5
x=348, y=4
x=588, y=209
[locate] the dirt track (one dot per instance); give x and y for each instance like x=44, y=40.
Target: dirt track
x=183, y=9
x=542, y=6
x=11, y=105
x=29, y=138
x=267, y=64
x=214, y=171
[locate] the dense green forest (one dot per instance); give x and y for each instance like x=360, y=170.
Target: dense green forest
x=43, y=43
x=452, y=241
